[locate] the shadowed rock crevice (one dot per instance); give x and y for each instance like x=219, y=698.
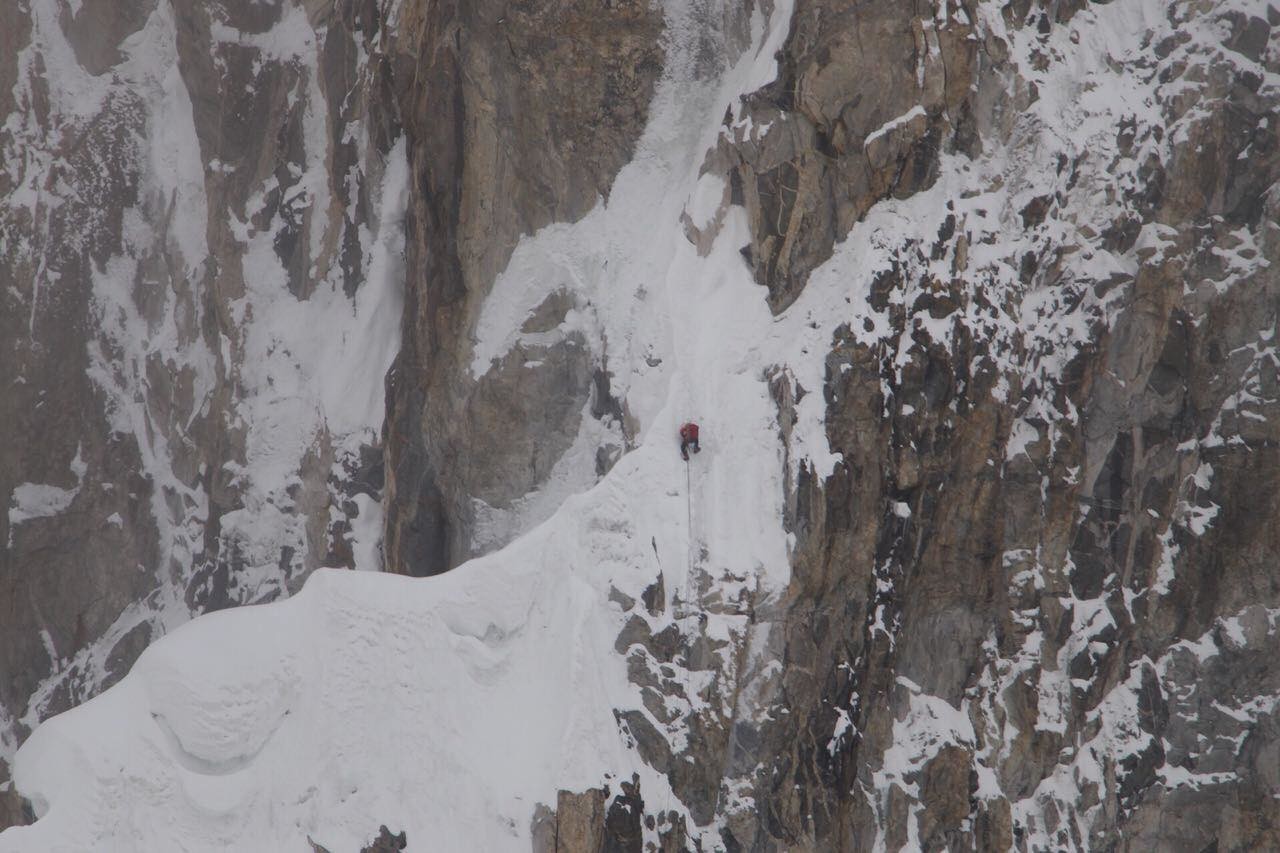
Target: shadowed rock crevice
x=518, y=117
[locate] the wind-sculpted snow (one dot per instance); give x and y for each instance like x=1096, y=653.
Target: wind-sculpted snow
x=445, y=708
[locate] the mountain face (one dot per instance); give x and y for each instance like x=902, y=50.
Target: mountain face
x=976, y=305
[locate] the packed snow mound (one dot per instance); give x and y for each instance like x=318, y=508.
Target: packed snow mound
x=445, y=708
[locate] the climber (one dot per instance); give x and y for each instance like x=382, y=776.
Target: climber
x=689, y=438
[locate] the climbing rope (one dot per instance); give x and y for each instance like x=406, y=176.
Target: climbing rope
x=688, y=509
x=669, y=818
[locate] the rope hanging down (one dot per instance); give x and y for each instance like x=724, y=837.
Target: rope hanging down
x=688, y=511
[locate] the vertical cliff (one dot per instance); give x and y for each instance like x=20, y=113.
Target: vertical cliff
x=1029, y=607
x=520, y=117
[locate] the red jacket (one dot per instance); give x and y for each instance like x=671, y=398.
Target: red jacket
x=689, y=432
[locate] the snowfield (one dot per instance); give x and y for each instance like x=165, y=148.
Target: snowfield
x=446, y=708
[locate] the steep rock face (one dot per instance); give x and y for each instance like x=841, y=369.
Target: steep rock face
x=1048, y=528
x=1050, y=525
x=581, y=822
x=518, y=117
x=191, y=231
x=867, y=96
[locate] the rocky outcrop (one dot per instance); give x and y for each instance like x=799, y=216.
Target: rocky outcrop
x=518, y=117
x=386, y=842
x=595, y=822
x=866, y=98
